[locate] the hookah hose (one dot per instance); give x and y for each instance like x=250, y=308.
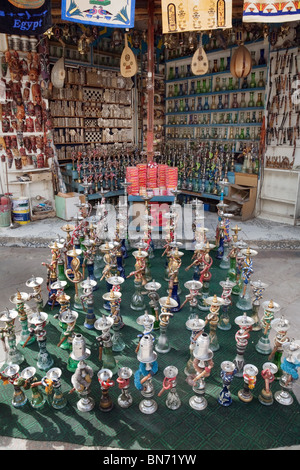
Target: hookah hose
x=122, y=382
x=167, y=384
x=106, y=384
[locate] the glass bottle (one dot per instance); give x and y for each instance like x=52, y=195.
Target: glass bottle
x=253, y=117
x=170, y=107
x=215, y=66
x=192, y=91
x=242, y=135
x=230, y=84
x=213, y=102
x=188, y=70
x=221, y=118
x=176, y=72
x=242, y=118
x=181, y=92
x=217, y=86
x=248, y=117
x=171, y=73
x=187, y=108
x=231, y=133
x=245, y=83
x=259, y=102
x=199, y=105
x=199, y=87
x=176, y=106
x=253, y=58
x=226, y=102
x=206, y=105
x=220, y=104
x=247, y=136
x=243, y=101
x=171, y=93
x=228, y=63
x=262, y=60
x=222, y=65
x=204, y=89
x=235, y=121
x=181, y=106
x=234, y=101
x=176, y=90
x=224, y=85
x=260, y=117
x=182, y=71
x=253, y=81
x=193, y=104
x=261, y=81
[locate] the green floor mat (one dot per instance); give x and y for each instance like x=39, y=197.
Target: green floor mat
x=240, y=426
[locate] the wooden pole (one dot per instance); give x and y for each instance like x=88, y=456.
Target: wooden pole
x=150, y=82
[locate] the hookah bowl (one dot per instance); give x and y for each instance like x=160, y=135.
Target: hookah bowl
x=81, y=381
x=37, y=400
x=204, y=356
x=245, y=300
x=242, y=335
x=263, y=345
x=224, y=322
x=11, y=372
x=44, y=359
x=290, y=374
x=104, y=324
x=13, y=356
x=173, y=401
x=104, y=378
x=58, y=400
x=196, y=326
x=268, y=374
x=79, y=352
x=281, y=326
x=19, y=300
x=228, y=371
x=124, y=399
x=258, y=288
x=213, y=319
x=68, y=318
x=249, y=374
x=148, y=365
x=167, y=303
x=194, y=288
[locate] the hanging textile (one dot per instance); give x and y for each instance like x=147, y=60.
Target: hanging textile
x=25, y=17
x=195, y=15
x=264, y=11
x=111, y=13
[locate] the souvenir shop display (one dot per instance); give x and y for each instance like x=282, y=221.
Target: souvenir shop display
x=138, y=196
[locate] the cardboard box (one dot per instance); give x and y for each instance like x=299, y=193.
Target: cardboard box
x=65, y=204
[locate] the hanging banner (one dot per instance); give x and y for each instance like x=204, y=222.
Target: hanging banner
x=110, y=13
x=264, y=11
x=25, y=17
x=195, y=15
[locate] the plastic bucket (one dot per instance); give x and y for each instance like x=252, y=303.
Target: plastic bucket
x=20, y=203
x=21, y=217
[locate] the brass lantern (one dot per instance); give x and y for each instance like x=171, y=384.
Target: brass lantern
x=241, y=62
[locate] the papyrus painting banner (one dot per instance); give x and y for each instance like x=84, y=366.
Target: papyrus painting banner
x=25, y=17
x=195, y=15
x=110, y=13
x=271, y=12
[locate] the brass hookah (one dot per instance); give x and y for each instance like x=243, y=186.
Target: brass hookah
x=212, y=318
x=167, y=304
x=73, y=274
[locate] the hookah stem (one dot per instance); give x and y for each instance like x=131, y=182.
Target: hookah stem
x=62, y=340
x=146, y=378
x=29, y=337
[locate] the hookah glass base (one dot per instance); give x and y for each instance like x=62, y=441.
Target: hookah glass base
x=148, y=406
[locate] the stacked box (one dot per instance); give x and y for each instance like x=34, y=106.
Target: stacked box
x=132, y=176
x=142, y=169
x=172, y=177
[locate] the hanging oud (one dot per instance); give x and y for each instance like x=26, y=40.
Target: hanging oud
x=128, y=62
x=199, y=64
